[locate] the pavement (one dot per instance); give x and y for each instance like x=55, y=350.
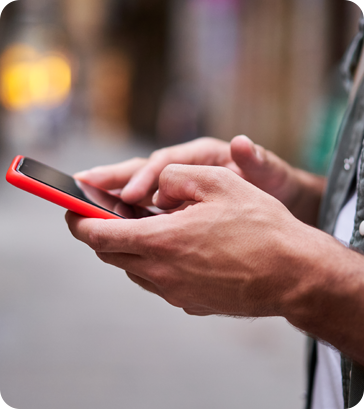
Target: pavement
x=77, y=334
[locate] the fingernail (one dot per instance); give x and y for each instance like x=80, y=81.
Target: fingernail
x=255, y=150
x=155, y=198
x=243, y=136
x=258, y=154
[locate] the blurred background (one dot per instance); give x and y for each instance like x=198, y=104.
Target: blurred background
x=84, y=83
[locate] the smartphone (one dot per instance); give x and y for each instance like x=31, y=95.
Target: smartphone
x=57, y=187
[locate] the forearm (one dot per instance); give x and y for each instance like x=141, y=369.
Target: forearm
x=328, y=300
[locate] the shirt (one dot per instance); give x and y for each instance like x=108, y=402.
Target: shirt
x=328, y=390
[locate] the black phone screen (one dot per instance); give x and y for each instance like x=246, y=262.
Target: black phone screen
x=83, y=191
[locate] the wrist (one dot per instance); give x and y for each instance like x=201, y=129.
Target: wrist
x=306, y=199
x=327, y=299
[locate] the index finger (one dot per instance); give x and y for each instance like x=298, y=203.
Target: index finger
x=145, y=181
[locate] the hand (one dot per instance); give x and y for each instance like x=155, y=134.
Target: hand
x=138, y=178
x=227, y=254
x=299, y=191
x=237, y=251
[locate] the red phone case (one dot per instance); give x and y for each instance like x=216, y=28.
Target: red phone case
x=53, y=195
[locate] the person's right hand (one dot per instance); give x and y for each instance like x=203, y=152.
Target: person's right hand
x=299, y=191
x=138, y=178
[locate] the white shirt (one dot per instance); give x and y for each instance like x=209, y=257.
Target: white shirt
x=328, y=391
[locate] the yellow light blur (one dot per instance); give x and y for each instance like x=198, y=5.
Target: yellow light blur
x=29, y=79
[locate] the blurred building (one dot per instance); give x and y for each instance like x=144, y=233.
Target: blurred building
x=37, y=71
x=171, y=71
x=262, y=67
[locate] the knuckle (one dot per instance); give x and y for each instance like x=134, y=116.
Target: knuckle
x=173, y=167
x=164, y=279
x=211, y=181
x=138, y=161
x=218, y=176
x=159, y=154
x=206, y=140
x=169, y=172
x=161, y=280
x=163, y=246
x=222, y=172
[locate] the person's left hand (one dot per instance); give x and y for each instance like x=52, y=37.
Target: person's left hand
x=231, y=253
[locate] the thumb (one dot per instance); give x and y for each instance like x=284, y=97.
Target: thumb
x=181, y=183
x=260, y=167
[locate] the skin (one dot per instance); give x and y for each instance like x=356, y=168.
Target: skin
x=238, y=239
x=236, y=250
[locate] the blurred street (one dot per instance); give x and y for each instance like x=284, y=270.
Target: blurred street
x=79, y=81
x=76, y=334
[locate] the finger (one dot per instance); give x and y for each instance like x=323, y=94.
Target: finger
x=108, y=236
x=204, y=151
x=143, y=270
x=180, y=183
x=152, y=288
x=146, y=179
x=259, y=166
x=112, y=176
x=132, y=263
